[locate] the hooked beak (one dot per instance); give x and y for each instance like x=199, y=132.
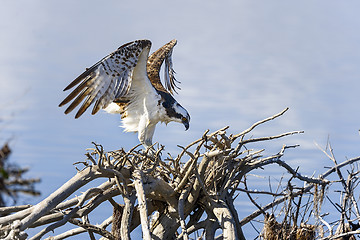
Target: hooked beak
x=186, y=124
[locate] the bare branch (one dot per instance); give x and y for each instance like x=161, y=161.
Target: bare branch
x=243, y=133
x=200, y=183
x=126, y=216
x=183, y=196
x=138, y=182
x=11, y=209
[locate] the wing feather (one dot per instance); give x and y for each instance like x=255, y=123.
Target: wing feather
x=154, y=64
x=78, y=100
x=107, y=80
x=85, y=74
x=77, y=90
x=169, y=73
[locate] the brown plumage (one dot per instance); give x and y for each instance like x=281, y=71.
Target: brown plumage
x=154, y=63
x=153, y=66
x=127, y=81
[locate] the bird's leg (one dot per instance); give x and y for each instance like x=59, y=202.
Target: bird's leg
x=145, y=136
x=148, y=147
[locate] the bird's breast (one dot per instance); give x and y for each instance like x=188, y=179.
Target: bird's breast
x=145, y=107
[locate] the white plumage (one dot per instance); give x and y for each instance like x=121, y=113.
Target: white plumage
x=127, y=82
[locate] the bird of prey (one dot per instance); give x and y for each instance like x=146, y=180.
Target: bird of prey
x=127, y=82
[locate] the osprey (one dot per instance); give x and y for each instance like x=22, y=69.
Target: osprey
x=127, y=82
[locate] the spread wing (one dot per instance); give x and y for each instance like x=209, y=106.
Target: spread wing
x=154, y=64
x=107, y=80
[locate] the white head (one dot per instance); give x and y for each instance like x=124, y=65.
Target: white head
x=180, y=115
x=175, y=112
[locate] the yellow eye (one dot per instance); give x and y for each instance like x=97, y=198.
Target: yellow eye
x=184, y=119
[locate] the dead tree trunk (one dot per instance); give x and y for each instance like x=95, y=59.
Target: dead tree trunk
x=176, y=197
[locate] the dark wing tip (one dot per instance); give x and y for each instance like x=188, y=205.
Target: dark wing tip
x=85, y=75
x=61, y=104
x=78, y=115
x=67, y=88
x=173, y=42
x=142, y=42
x=67, y=111
x=145, y=43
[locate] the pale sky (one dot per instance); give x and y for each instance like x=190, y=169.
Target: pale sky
x=238, y=61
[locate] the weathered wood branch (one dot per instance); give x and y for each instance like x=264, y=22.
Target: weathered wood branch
x=169, y=197
x=139, y=186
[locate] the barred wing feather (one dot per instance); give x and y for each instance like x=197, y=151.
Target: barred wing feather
x=107, y=80
x=155, y=61
x=169, y=74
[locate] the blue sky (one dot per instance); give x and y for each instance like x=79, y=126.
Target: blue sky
x=238, y=61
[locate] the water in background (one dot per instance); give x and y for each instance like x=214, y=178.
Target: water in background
x=238, y=62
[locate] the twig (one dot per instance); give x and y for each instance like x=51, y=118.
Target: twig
x=8, y=210
x=243, y=133
x=93, y=228
x=260, y=192
x=182, y=198
x=67, y=216
x=187, y=174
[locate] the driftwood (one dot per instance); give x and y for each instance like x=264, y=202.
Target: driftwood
x=193, y=192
